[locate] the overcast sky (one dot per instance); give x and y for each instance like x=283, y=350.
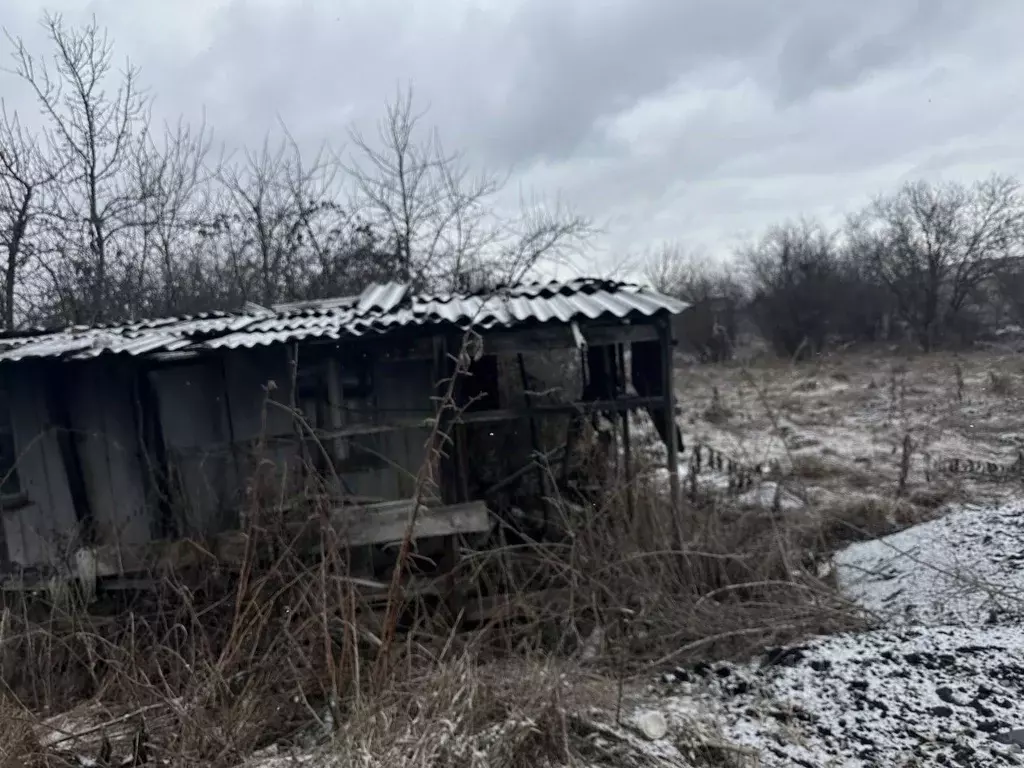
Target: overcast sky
x=699, y=121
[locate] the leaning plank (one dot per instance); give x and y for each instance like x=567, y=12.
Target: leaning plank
x=385, y=523
x=353, y=526
x=375, y=524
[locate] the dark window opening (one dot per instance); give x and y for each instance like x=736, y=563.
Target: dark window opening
x=356, y=377
x=333, y=395
x=10, y=482
x=479, y=386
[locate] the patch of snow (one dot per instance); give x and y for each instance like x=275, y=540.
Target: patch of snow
x=966, y=568
x=942, y=683
x=915, y=696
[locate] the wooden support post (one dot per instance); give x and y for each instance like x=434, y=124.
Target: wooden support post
x=668, y=392
x=575, y=422
x=535, y=446
x=336, y=410
x=627, y=448
x=57, y=398
x=237, y=465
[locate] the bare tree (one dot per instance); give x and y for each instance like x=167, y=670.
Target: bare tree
x=692, y=275
x=440, y=222
x=25, y=178
x=713, y=289
x=793, y=272
x=935, y=245
x=283, y=233
x=97, y=119
x=175, y=206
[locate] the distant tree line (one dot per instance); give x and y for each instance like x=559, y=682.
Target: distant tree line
x=105, y=216
x=939, y=263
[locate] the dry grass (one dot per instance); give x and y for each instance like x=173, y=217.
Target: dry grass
x=214, y=668
x=18, y=741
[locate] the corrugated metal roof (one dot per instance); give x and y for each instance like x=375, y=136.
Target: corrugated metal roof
x=380, y=309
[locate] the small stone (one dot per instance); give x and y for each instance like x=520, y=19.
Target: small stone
x=652, y=725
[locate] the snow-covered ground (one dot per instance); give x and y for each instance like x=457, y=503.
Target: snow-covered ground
x=963, y=569
x=912, y=696
x=843, y=420
x=941, y=682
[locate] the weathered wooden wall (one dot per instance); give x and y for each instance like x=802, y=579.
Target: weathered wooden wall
x=389, y=461
x=220, y=416
x=191, y=401
x=258, y=386
x=243, y=400
x=44, y=529
x=106, y=436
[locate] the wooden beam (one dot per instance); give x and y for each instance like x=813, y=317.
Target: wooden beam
x=562, y=337
x=387, y=522
x=356, y=526
x=380, y=524
x=617, y=405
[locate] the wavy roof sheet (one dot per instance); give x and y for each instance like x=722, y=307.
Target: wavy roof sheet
x=380, y=309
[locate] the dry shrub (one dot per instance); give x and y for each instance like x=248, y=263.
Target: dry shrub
x=680, y=584
x=717, y=412
x=866, y=517
x=225, y=662
x=815, y=466
x=460, y=713
x=932, y=497
x=519, y=714
x=1000, y=383
x=19, y=746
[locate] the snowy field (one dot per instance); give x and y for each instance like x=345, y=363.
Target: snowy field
x=839, y=426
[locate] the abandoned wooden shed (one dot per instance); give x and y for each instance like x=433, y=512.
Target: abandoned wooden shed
x=114, y=438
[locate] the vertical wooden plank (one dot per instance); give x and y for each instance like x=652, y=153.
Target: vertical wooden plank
x=191, y=404
x=627, y=448
x=535, y=446
x=336, y=408
x=153, y=455
x=14, y=540
x=256, y=381
x=56, y=392
x=49, y=527
x=107, y=442
x=669, y=390
x=402, y=389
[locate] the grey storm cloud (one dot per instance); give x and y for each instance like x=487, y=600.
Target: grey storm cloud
x=694, y=120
